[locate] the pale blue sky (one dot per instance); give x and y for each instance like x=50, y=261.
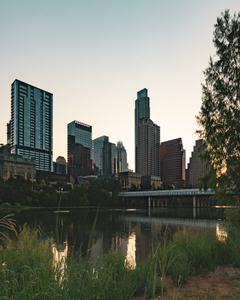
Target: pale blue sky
x=94, y=56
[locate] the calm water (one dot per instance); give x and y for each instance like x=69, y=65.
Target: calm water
x=132, y=230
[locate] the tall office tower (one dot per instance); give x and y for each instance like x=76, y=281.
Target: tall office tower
x=104, y=155
x=32, y=124
x=195, y=167
x=142, y=110
x=172, y=156
x=79, y=149
x=121, y=164
x=149, y=148
x=147, y=138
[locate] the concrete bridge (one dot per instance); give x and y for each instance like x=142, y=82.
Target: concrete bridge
x=156, y=196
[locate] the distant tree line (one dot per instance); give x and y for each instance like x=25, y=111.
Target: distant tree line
x=18, y=191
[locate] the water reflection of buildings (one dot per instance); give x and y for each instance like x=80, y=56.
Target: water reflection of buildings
x=221, y=232
x=59, y=257
x=131, y=232
x=131, y=251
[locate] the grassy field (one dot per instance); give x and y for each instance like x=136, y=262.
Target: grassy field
x=27, y=269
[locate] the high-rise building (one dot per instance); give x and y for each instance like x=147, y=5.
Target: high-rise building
x=172, y=157
x=32, y=124
x=121, y=164
x=80, y=150
x=147, y=138
x=142, y=110
x=195, y=167
x=149, y=148
x=104, y=155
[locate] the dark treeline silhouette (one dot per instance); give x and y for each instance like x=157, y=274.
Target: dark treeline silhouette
x=18, y=191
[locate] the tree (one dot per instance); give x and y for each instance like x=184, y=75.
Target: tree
x=114, y=186
x=219, y=117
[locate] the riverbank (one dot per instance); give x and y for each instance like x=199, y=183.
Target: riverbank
x=184, y=261
x=223, y=283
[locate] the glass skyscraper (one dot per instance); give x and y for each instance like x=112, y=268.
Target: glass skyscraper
x=80, y=149
x=104, y=155
x=121, y=164
x=147, y=138
x=142, y=110
x=32, y=124
x=149, y=148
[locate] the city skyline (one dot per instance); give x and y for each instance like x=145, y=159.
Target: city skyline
x=94, y=56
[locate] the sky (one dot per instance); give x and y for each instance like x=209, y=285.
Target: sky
x=94, y=55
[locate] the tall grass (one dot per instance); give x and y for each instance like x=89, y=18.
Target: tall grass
x=7, y=222
x=27, y=270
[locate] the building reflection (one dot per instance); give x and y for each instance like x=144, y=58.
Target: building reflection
x=221, y=232
x=131, y=232
x=59, y=258
x=130, y=260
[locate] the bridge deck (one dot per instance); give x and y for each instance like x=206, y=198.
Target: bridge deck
x=162, y=193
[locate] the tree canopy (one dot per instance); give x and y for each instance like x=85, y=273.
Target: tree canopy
x=219, y=117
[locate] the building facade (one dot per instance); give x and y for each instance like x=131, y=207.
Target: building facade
x=129, y=180
x=12, y=164
x=31, y=124
x=195, y=167
x=172, y=157
x=80, y=150
x=142, y=110
x=60, y=165
x=149, y=148
x=5, y=148
x=104, y=156
x=147, y=138
x=121, y=164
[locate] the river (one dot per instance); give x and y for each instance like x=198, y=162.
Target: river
x=131, y=230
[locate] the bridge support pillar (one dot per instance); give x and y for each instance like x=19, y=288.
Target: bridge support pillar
x=194, y=201
x=166, y=202
x=149, y=202
x=162, y=203
x=194, y=213
x=157, y=203
x=198, y=203
x=208, y=202
x=153, y=203
x=201, y=203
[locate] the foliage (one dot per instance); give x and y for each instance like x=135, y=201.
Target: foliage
x=167, y=186
x=17, y=191
x=219, y=116
x=133, y=188
x=62, y=186
x=98, y=195
x=27, y=270
x=7, y=222
x=233, y=216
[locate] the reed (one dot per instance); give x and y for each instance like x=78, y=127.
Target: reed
x=7, y=222
x=27, y=270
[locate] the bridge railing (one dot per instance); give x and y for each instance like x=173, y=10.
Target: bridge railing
x=183, y=192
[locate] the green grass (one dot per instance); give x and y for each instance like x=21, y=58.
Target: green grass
x=27, y=270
